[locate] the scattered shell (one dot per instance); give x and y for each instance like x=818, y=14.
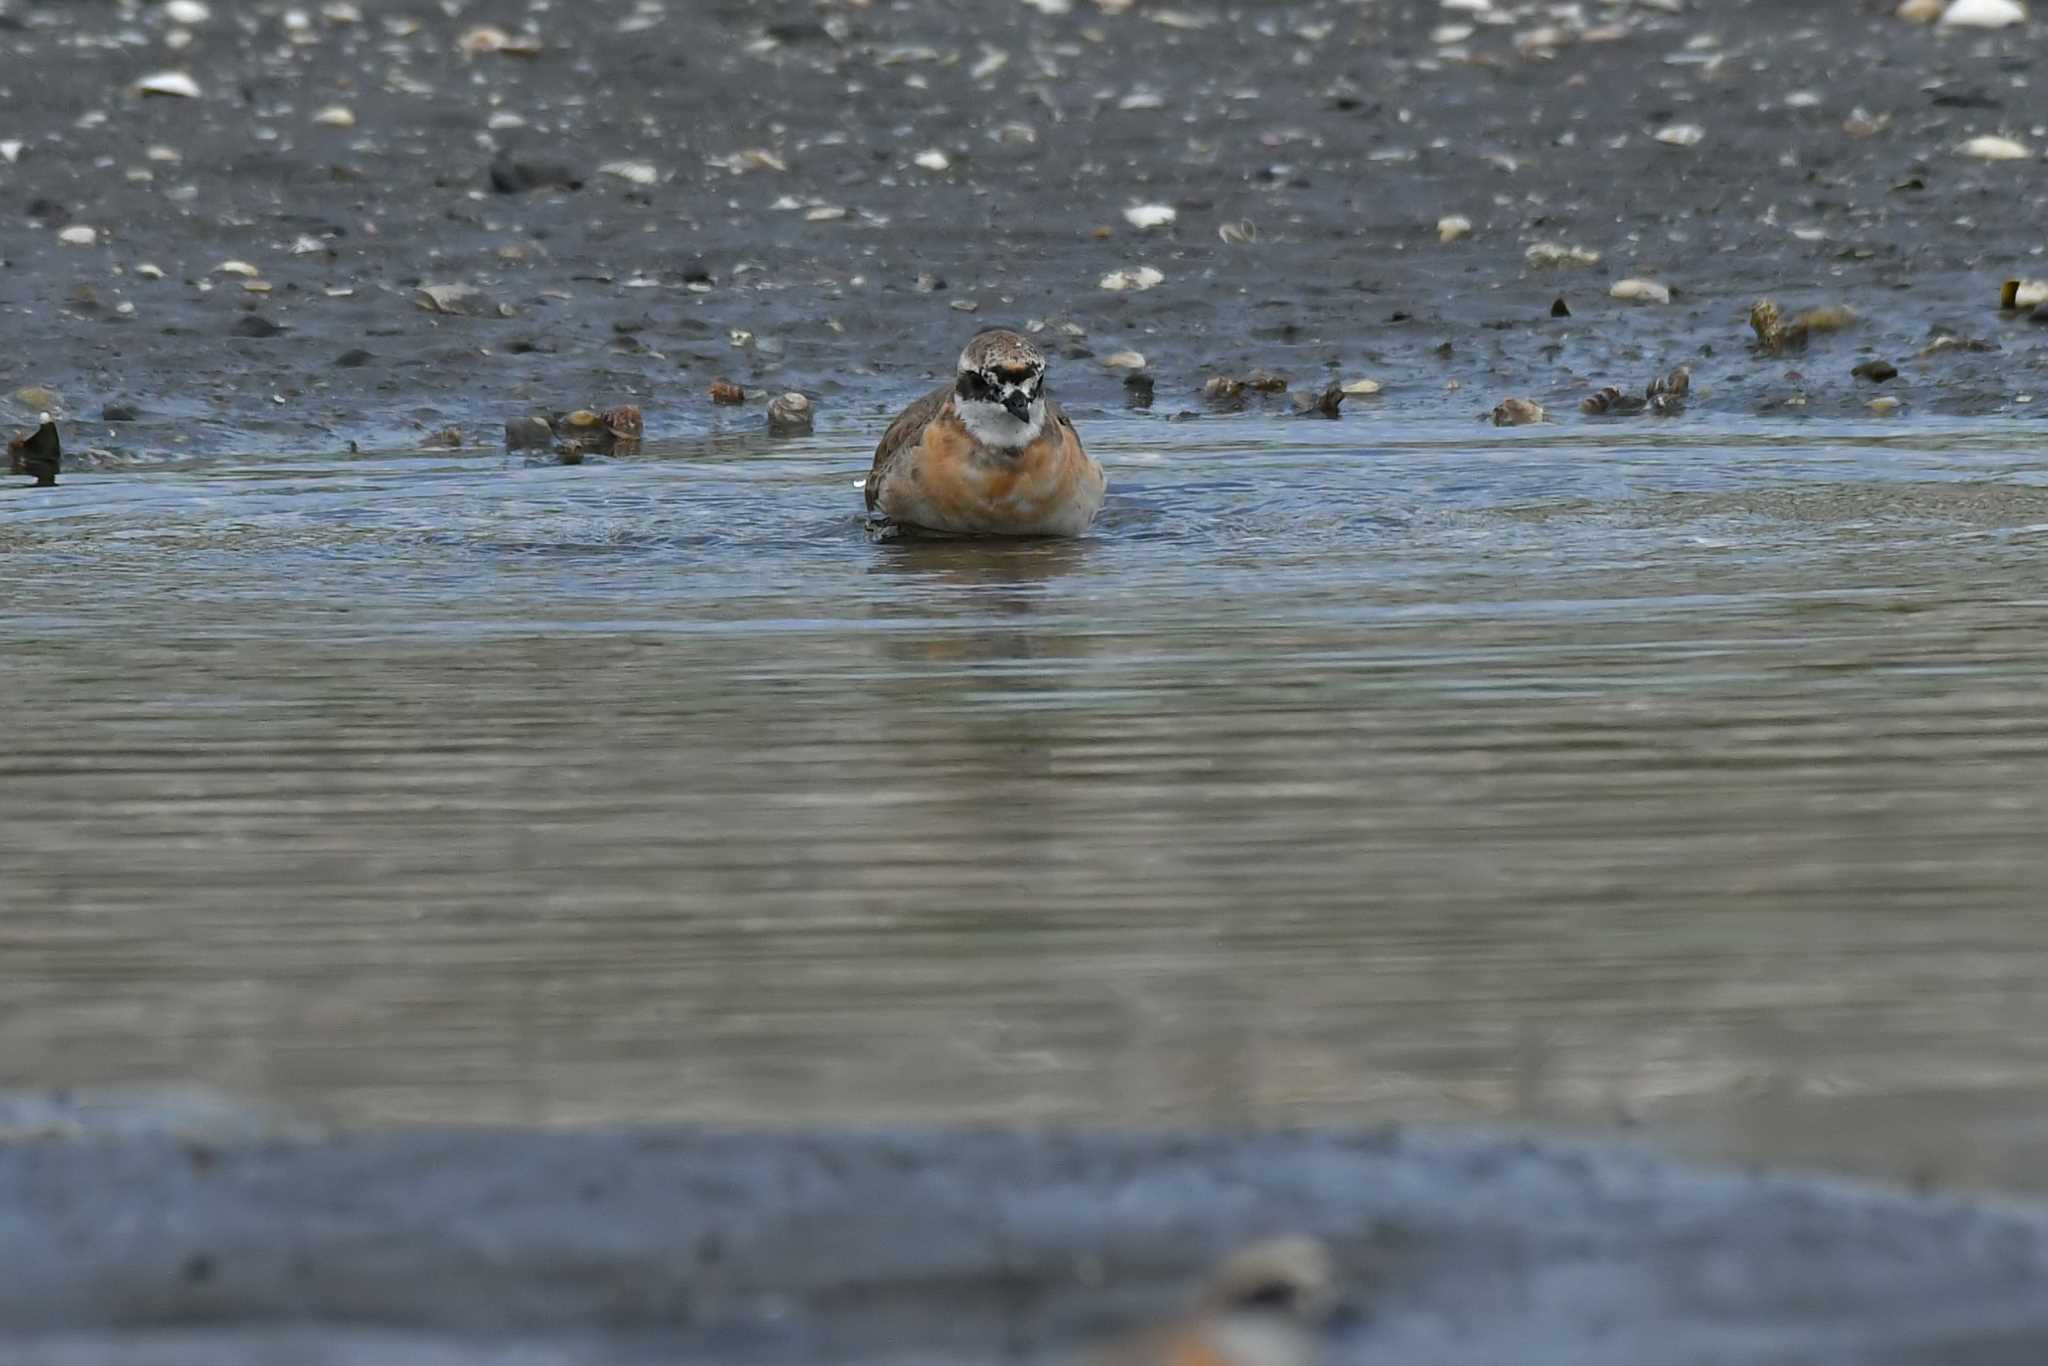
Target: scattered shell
x=1144, y=277
x=1452, y=226
x=2023, y=294
x=1125, y=360
x=1611, y=402
x=1238, y=233
x=1360, y=388
x=532, y=432
x=242, y=268
x=1680, y=134
x=1983, y=14
x=464, y=301
x=1886, y=406
x=79, y=235
x=336, y=116
x=1517, y=412
x=172, y=83
x=186, y=12
x=1774, y=336
x=1640, y=291
x=1949, y=341
x=1667, y=393
x=1544, y=254
x=1992, y=148
x=825, y=213
x=932, y=159
x=486, y=38
x=789, y=415
x=1326, y=404
x=1150, y=215
x=632, y=172
x=150, y=270
x=1876, y=371
x=725, y=391
x=965, y=306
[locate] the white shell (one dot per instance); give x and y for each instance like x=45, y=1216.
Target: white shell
x=1989, y=148
x=1121, y=281
x=168, y=83
x=1983, y=14
x=1641, y=291
x=1150, y=215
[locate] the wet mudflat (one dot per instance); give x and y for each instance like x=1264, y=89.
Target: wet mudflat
x=1681, y=782
x=1674, y=780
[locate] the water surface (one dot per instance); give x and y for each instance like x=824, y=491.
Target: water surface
x=1687, y=780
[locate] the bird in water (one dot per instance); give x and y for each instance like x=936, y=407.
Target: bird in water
x=1269, y=1305
x=989, y=454
x=39, y=453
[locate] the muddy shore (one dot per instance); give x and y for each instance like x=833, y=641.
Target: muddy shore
x=829, y=197
x=685, y=1245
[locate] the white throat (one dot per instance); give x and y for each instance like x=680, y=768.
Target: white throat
x=992, y=424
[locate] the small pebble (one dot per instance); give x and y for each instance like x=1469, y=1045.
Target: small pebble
x=1453, y=226
x=1360, y=388
x=336, y=116
x=932, y=159
x=1517, y=412
x=79, y=235
x=1876, y=371
x=1681, y=134
x=1150, y=215
x=186, y=12
x=256, y=325
x=1886, y=406
x=1125, y=360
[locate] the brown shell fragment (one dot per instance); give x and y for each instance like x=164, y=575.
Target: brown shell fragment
x=1611, y=402
x=623, y=421
x=1326, y=404
x=725, y=391
x=38, y=453
x=530, y=433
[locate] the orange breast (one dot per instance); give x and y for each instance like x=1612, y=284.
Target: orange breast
x=950, y=488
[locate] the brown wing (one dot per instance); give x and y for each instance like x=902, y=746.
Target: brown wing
x=904, y=434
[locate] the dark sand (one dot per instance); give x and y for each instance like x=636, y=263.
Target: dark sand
x=1827, y=171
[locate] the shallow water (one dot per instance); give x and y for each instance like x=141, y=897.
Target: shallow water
x=1688, y=780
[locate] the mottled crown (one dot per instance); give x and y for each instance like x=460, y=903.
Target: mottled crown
x=999, y=350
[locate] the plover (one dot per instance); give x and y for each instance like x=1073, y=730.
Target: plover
x=990, y=453
x=1267, y=1306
